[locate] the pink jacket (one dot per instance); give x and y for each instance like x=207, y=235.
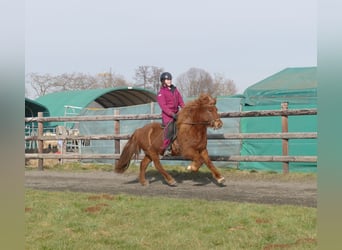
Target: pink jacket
x=169, y=101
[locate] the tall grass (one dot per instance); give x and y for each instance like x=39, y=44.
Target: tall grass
x=66, y=220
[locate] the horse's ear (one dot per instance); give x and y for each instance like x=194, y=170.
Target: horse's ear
x=203, y=98
x=207, y=99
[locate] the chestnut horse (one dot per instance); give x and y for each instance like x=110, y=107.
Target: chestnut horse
x=191, y=141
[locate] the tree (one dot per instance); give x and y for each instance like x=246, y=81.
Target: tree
x=40, y=84
x=148, y=77
x=194, y=82
x=223, y=86
x=155, y=77
x=191, y=83
x=109, y=79
x=47, y=83
x=75, y=81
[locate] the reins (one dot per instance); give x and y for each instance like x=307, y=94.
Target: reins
x=196, y=123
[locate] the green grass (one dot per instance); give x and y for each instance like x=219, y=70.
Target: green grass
x=66, y=220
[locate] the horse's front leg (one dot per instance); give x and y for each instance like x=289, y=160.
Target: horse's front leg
x=219, y=178
x=169, y=179
x=196, y=158
x=143, y=165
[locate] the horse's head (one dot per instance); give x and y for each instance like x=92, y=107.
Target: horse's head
x=211, y=115
x=201, y=111
x=209, y=111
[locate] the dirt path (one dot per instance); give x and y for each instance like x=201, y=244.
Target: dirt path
x=189, y=186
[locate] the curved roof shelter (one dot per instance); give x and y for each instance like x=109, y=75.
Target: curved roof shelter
x=95, y=98
x=32, y=108
x=295, y=85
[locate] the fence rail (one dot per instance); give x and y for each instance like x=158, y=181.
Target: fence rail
x=293, y=135
x=158, y=116
x=233, y=158
x=116, y=118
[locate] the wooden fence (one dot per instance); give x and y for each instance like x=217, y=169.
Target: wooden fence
x=116, y=118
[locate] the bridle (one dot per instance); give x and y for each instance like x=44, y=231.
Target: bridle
x=210, y=123
x=205, y=123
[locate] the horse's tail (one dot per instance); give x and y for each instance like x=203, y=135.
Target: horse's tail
x=131, y=149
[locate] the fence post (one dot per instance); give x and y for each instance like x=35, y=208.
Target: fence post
x=152, y=109
x=116, y=132
x=285, y=141
x=40, y=142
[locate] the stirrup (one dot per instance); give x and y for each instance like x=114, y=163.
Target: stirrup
x=167, y=152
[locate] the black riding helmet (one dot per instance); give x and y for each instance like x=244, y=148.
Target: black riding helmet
x=165, y=75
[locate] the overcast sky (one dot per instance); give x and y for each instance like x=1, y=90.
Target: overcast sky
x=244, y=40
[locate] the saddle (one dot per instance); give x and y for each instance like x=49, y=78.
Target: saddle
x=171, y=133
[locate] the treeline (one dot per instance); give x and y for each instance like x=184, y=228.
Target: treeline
x=190, y=83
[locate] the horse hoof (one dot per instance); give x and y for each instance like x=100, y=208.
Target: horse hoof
x=221, y=180
x=172, y=183
x=145, y=183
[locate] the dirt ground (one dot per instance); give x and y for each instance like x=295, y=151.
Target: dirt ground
x=190, y=186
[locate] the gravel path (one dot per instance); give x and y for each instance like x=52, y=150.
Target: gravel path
x=190, y=185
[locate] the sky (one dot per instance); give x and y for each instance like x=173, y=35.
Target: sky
x=245, y=41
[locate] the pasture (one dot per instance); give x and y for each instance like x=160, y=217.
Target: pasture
x=98, y=220
x=70, y=220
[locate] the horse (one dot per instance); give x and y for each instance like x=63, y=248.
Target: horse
x=191, y=140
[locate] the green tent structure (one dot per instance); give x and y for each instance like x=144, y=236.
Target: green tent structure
x=297, y=87
x=66, y=103
x=32, y=108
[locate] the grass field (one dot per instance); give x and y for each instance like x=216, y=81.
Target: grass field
x=65, y=220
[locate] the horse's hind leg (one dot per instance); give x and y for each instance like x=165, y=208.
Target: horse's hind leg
x=219, y=178
x=143, y=165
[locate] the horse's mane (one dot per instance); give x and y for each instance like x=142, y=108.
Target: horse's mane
x=193, y=109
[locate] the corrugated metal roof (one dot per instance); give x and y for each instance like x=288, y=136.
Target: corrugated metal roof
x=104, y=98
x=294, y=85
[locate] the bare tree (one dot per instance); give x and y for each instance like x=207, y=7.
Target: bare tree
x=75, y=81
x=194, y=82
x=148, y=77
x=223, y=86
x=142, y=75
x=155, y=77
x=46, y=83
x=120, y=81
x=109, y=79
x=40, y=84
x=191, y=83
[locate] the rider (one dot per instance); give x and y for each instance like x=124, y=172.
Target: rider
x=169, y=100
